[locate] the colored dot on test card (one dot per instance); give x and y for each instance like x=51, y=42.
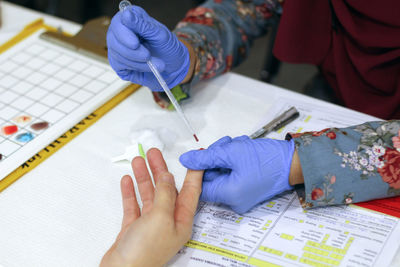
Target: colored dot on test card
x=40, y=125
x=23, y=119
x=25, y=137
x=9, y=129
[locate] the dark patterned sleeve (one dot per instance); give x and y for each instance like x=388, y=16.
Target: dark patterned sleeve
x=221, y=32
x=348, y=165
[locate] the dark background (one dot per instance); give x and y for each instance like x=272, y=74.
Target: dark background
x=170, y=12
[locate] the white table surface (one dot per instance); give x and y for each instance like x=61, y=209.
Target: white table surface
x=67, y=207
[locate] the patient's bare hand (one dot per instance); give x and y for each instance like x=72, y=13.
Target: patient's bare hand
x=154, y=235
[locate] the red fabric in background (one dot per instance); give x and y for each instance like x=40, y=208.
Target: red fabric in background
x=360, y=60
x=390, y=206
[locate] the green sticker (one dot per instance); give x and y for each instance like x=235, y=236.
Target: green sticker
x=141, y=151
x=178, y=94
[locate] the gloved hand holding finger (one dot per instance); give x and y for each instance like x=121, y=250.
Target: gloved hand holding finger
x=242, y=172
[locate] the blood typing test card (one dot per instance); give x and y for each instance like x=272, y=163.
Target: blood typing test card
x=46, y=89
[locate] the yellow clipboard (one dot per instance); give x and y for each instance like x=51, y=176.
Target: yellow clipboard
x=81, y=126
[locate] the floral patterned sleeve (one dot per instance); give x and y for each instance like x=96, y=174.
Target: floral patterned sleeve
x=343, y=166
x=221, y=32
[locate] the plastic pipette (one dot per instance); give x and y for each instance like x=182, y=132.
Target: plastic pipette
x=123, y=5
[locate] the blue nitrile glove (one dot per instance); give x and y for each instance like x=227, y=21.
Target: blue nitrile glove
x=242, y=172
x=133, y=38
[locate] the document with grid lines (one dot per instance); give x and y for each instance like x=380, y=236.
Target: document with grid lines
x=46, y=89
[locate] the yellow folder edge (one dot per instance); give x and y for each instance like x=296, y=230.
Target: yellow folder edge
x=45, y=153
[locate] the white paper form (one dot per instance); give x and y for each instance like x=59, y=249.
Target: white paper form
x=45, y=84
x=280, y=233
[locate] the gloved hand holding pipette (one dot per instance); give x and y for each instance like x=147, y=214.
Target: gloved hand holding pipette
x=135, y=38
x=143, y=51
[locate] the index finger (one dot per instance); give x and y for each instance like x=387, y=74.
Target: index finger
x=188, y=198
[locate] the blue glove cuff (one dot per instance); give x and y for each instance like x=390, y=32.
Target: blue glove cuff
x=175, y=78
x=281, y=183
x=290, y=150
x=181, y=73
